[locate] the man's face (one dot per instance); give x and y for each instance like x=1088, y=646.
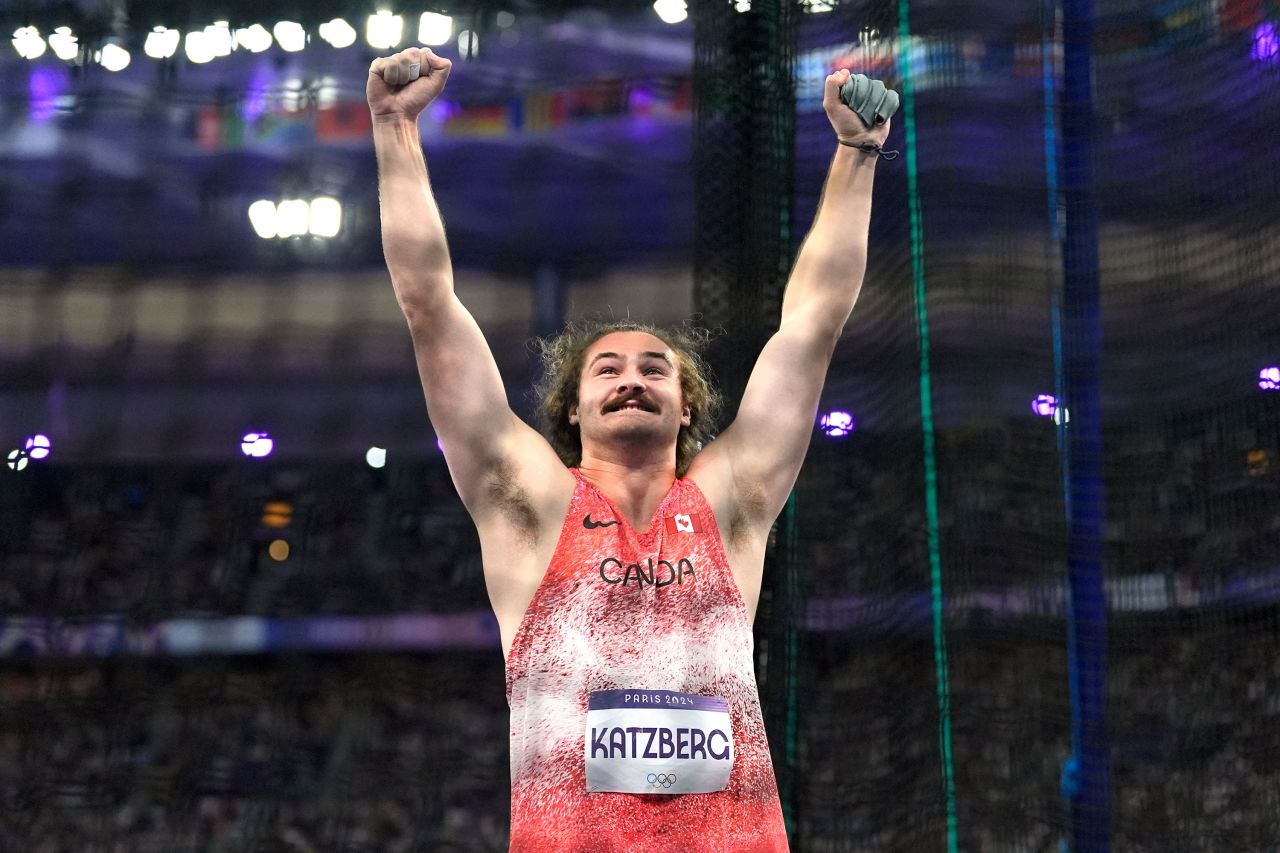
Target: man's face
x=629, y=390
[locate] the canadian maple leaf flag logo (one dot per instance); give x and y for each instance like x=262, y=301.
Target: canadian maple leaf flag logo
x=684, y=522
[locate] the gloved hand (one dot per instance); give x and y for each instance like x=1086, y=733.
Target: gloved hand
x=870, y=99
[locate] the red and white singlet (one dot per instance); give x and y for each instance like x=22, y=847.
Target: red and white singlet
x=654, y=616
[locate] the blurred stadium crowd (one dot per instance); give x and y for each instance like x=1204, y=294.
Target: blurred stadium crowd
x=158, y=542
x=407, y=752
x=305, y=754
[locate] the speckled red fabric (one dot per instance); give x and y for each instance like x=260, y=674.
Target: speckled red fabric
x=619, y=609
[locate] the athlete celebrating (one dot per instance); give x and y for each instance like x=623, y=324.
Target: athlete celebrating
x=623, y=558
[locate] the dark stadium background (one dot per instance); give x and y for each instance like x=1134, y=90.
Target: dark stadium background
x=167, y=684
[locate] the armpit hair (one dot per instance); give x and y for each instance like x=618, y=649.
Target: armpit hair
x=514, y=503
x=749, y=510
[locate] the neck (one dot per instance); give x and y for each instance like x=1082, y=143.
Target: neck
x=635, y=487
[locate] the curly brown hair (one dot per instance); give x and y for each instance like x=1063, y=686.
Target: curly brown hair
x=557, y=390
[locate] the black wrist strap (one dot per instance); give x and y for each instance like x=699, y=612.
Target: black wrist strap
x=870, y=148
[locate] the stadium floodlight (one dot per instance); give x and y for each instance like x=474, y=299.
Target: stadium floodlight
x=435, y=29
x=113, y=57
x=28, y=43
x=338, y=33
x=1269, y=378
x=290, y=36
x=198, y=48
x=161, y=43
x=64, y=43
x=818, y=6
x=836, y=424
x=254, y=39
x=468, y=44
x=742, y=5
x=324, y=217
x=384, y=30
x=376, y=457
x=292, y=217
x=1044, y=405
x=38, y=446
x=18, y=460
x=256, y=445
x=262, y=216
x=218, y=37
x=671, y=11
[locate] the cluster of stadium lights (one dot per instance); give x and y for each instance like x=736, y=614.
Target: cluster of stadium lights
x=1048, y=406
x=383, y=31
x=260, y=445
x=35, y=448
x=833, y=424
x=838, y=424
x=296, y=217
x=675, y=11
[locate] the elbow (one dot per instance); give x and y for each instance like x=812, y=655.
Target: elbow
x=822, y=309
x=414, y=314
x=420, y=306
x=819, y=330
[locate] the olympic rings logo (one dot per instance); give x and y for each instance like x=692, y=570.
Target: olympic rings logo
x=661, y=780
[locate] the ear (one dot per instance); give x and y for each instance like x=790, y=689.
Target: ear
x=573, y=414
x=686, y=416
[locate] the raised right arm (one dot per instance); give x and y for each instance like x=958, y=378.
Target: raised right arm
x=482, y=438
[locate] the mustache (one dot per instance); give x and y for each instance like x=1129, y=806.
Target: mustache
x=622, y=401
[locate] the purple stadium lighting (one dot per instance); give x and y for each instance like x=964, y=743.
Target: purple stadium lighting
x=256, y=95
x=38, y=447
x=43, y=89
x=640, y=101
x=1266, y=43
x=1269, y=378
x=257, y=445
x=1046, y=405
x=837, y=424
x=441, y=110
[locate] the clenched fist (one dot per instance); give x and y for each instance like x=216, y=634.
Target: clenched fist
x=848, y=125
x=406, y=82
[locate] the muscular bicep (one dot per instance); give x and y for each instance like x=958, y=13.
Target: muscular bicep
x=467, y=404
x=759, y=455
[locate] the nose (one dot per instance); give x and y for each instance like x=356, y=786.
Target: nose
x=630, y=385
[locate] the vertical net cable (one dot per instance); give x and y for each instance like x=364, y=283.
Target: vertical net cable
x=939, y=629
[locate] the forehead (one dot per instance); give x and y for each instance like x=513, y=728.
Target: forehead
x=628, y=345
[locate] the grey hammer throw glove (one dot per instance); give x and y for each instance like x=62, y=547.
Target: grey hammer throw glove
x=870, y=99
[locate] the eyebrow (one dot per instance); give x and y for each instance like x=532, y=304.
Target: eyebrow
x=658, y=355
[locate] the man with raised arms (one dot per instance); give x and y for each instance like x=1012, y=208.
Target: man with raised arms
x=623, y=548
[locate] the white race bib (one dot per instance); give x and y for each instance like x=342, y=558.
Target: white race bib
x=657, y=742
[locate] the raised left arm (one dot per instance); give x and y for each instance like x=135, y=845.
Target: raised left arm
x=757, y=458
